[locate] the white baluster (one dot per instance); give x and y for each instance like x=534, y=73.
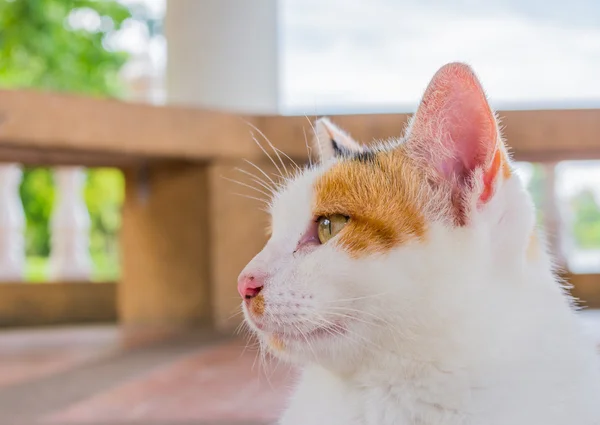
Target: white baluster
x=553, y=216
x=70, y=225
x=12, y=224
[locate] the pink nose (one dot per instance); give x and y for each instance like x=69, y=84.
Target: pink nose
x=250, y=285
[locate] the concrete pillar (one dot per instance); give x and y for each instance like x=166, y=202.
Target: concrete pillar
x=166, y=250
x=223, y=54
x=187, y=235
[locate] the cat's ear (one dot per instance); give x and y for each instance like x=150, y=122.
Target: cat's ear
x=455, y=133
x=332, y=141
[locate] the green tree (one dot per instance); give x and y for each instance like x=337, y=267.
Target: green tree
x=104, y=195
x=63, y=45
x=37, y=195
x=586, y=225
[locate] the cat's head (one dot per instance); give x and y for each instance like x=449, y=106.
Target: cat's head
x=387, y=241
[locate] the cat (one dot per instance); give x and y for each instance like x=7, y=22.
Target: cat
x=408, y=281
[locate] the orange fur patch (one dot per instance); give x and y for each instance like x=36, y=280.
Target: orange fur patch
x=506, y=171
x=257, y=306
x=277, y=344
x=381, y=196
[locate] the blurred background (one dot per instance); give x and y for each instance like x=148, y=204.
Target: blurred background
x=61, y=220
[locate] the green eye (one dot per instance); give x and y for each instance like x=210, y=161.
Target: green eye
x=330, y=226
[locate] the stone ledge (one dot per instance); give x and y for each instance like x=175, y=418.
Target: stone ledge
x=28, y=304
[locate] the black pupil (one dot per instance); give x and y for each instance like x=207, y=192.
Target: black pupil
x=328, y=224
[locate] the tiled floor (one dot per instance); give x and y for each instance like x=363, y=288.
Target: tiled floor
x=32, y=354
x=83, y=376
x=205, y=385
x=80, y=376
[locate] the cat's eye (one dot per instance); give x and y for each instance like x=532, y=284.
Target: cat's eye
x=328, y=227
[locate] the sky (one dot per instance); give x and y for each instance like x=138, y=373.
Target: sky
x=380, y=54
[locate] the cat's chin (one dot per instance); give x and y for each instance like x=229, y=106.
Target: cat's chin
x=298, y=341
x=293, y=342
x=333, y=330
x=297, y=332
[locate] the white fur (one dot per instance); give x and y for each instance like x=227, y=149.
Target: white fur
x=462, y=328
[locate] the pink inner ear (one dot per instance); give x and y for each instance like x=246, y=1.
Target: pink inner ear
x=455, y=114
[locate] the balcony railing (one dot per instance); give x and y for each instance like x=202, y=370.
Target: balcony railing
x=70, y=225
x=185, y=233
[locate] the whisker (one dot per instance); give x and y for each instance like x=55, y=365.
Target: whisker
x=315, y=134
x=324, y=321
x=272, y=147
x=361, y=312
x=256, y=356
x=262, y=171
x=264, y=150
x=308, y=150
x=339, y=300
x=260, y=183
x=348, y=316
x=379, y=323
x=236, y=314
x=257, y=179
x=265, y=364
x=248, y=186
x=264, y=201
x=303, y=335
x=238, y=329
x=294, y=163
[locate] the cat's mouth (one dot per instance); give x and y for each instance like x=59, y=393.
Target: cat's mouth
x=301, y=331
